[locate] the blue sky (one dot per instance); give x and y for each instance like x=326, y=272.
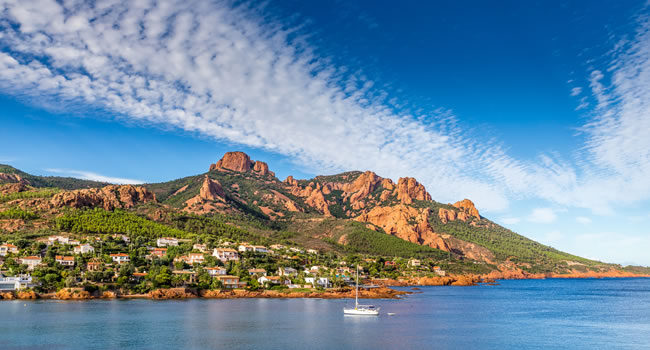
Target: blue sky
x=538, y=112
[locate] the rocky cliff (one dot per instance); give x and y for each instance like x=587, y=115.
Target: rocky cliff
x=108, y=197
x=241, y=162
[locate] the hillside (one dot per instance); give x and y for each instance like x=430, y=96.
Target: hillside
x=352, y=213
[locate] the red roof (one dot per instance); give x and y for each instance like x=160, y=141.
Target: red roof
x=120, y=254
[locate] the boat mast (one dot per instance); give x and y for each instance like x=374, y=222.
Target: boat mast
x=356, y=297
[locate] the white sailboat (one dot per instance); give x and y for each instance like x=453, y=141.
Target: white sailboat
x=367, y=310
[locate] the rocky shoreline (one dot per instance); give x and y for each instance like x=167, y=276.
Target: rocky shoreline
x=382, y=291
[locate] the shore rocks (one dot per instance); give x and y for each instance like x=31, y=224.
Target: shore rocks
x=72, y=294
x=172, y=293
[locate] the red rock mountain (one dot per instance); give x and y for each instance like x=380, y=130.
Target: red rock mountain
x=241, y=162
x=108, y=197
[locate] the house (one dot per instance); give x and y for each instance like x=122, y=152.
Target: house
x=259, y=272
x=166, y=242
x=124, y=238
x=287, y=271
x=15, y=283
x=343, y=272
x=8, y=248
x=226, y=254
x=64, y=260
x=269, y=280
x=216, y=271
x=245, y=247
x=414, y=263
x=57, y=239
x=120, y=258
x=200, y=247
x=195, y=258
x=139, y=276
x=157, y=253
x=94, y=265
x=438, y=271
x=312, y=251
x=389, y=263
x=319, y=281
x=31, y=261
x=83, y=249
x=73, y=242
x=231, y=282
x=296, y=250
x=277, y=247
x=188, y=275
x=260, y=249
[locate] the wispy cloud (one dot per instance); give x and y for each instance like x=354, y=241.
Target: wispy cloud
x=229, y=73
x=576, y=91
x=510, y=220
x=542, y=216
x=583, y=220
x=88, y=175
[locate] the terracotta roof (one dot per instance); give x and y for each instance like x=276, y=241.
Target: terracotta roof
x=65, y=258
x=31, y=258
x=120, y=254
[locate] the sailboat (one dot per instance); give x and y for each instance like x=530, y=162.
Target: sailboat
x=367, y=310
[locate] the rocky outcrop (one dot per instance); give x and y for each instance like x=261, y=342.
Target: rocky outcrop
x=291, y=181
x=13, y=188
x=408, y=190
x=4, y=177
x=72, y=294
x=408, y=223
x=108, y=197
x=468, y=249
x=211, y=190
x=468, y=207
x=262, y=169
x=343, y=293
x=172, y=293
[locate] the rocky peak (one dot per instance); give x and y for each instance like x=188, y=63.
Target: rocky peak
x=211, y=190
x=467, y=206
x=408, y=189
x=365, y=184
x=262, y=168
x=108, y=197
x=291, y=181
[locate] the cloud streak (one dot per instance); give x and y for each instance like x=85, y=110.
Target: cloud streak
x=88, y=175
x=228, y=73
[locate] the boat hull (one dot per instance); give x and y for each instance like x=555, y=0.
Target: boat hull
x=361, y=312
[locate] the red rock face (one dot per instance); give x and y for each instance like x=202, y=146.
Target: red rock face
x=262, y=168
x=211, y=190
x=109, y=197
x=408, y=189
x=235, y=161
x=467, y=206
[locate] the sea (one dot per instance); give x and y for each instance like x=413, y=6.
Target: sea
x=515, y=314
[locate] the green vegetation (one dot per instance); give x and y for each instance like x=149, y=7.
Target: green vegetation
x=17, y=213
x=39, y=193
x=66, y=183
x=119, y=221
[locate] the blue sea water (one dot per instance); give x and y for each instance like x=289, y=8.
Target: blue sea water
x=528, y=314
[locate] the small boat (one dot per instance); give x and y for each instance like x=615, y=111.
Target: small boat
x=391, y=314
x=364, y=310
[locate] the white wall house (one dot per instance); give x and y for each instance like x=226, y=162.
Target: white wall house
x=226, y=254
x=120, y=258
x=31, y=261
x=216, y=271
x=15, y=283
x=83, y=249
x=5, y=249
x=166, y=242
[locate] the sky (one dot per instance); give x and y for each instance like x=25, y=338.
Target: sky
x=539, y=112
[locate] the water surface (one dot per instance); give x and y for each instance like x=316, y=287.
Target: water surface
x=529, y=314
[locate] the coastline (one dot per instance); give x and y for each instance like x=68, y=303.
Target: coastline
x=382, y=291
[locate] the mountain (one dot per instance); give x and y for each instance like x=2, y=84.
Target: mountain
x=239, y=198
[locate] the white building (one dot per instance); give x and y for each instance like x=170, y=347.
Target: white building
x=8, y=248
x=312, y=251
x=216, y=271
x=120, y=258
x=166, y=242
x=226, y=254
x=287, y=271
x=83, y=249
x=15, y=283
x=200, y=247
x=319, y=281
x=259, y=272
x=246, y=248
x=31, y=261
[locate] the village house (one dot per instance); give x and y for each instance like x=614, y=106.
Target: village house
x=287, y=271
x=200, y=247
x=166, y=242
x=226, y=254
x=31, y=261
x=73, y=242
x=124, y=238
x=157, y=252
x=259, y=272
x=216, y=271
x=278, y=247
x=15, y=283
x=57, y=239
x=269, y=280
x=312, y=251
x=83, y=249
x=231, y=282
x=389, y=263
x=319, y=281
x=296, y=250
x=343, y=272
x=8, y=248
x=414, y=263
x=195, y=258
x=138, y=276
x=94, y=265
x=438, y=271
x=64, y=260
x=120, y=258
x=260, y=249
x=245, y=247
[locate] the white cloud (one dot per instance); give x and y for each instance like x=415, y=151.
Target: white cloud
x=230, y=74
x=542, y=216
x=583, y=220
x=510, y=220
x=88, y=175
x=576, y=91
